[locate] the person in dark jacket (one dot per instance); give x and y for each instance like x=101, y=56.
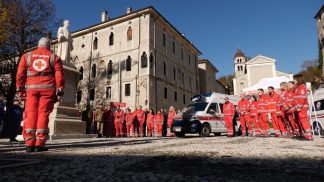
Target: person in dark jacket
x=13, y=119
x=2, y=116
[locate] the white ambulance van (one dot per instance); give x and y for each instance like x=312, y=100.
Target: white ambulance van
x=318, y=119
x=204, y=116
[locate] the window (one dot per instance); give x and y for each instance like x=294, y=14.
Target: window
x=182, y=78
x=189, y=59
x=184, y=99
x=95, y=44
x=81, y=71
x=144, y=60
x=181, y=53
x=110, y=67
x=164, y=40
x=92, y=94
x=128, y=63
x=173, y=47
x=164, y=68
x=127, y=89
x=175, y=96
x=79, y=96
x=190, y=86
x=111, y=39
x=108, y=92
x=319, y=105
x=94, y=71
x=151, y=60
x=174, y=73
x=129, y=34
x=165, y=92
x=213, y=108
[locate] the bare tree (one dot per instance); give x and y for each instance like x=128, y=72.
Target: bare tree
x=26, y=21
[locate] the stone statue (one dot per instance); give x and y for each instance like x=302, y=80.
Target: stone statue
x=64, y=42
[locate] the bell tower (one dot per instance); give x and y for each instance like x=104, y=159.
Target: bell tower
x=239, y=63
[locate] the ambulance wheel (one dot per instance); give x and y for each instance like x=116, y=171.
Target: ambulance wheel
x=180, y=134
x=205, y=130
x=318, y=129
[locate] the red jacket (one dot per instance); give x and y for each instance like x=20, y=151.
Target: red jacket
x=300, y=97
x=119, y=116
x=273, y=101
x=158, y=119
x=150, y=118
x=263, y=104
x=228, y=109
x=171, y=116
x=140, y=114
x=290, y=105
x=129, y=118
x=243, y=106
x=253, y=108
x=40, y=70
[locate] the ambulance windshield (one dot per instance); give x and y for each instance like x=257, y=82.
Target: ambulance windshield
x=198, y=106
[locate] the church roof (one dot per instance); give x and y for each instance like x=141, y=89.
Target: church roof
x=319, y=12
x=239, y=53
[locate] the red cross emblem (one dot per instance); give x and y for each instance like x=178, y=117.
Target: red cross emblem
x=39, y=65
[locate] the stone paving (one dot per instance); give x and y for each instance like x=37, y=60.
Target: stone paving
x=166, y=159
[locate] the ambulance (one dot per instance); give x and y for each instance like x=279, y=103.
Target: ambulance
x=317, y=114
x=204, y=116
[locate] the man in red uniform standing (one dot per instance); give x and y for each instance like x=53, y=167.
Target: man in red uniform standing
x=158, y=123
x=282, y=102
x=129, y=118
x=150, y=123
x=229, y=111
x=290, y=109
x=302, y=106
x=254, y=115
x=244, y=109
x=140, y=114
x=263, y=113
x=40, y=76
x=171, y=115
x=119, y=119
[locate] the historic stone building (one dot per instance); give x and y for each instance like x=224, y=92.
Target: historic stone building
x=248, y=73
x=207, y=78
x=139, y=59
x=320, y=31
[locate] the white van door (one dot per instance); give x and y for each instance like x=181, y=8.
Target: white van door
x=215, y=118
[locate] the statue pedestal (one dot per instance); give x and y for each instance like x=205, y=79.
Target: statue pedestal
x=64, y=121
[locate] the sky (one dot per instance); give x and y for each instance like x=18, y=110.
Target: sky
x=281, y=29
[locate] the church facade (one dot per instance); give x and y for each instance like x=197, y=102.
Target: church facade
x=250, y=72
x=138, y=59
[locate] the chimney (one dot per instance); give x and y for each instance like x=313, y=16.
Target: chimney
x=129, y=10
x=104, y=16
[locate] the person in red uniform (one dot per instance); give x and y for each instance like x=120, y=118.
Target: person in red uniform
x=290, y=108
x=302, y=106
x=275, y=112
x=140, y=115
x=118, y=120
x=171, y=115
x=244, y=111
x=158, y=123
x=254, y=116
x=229, y=111
x=150, y=123
x=40, y=76
x=129, y=118
x=282, y=102
x=263, y=113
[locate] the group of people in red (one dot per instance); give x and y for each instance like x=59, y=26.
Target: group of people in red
x=128, y=123
x=287, y=110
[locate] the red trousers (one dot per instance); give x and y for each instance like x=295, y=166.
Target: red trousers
x=39, y=105
x=150, y=129
x=229, y=125
x=256, y=125
x=264, y=122
x=159, y=128
x=304, y=123
x=245, y=124
x=119, y=129
x=129, y=129
x=141, y=127
x=293, y=123
x=281, y=124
